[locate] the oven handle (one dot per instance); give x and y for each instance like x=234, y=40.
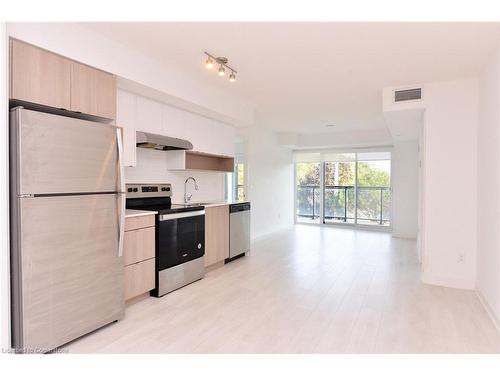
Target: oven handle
x=181, y=215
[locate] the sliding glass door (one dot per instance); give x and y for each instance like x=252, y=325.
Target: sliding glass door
x=339, y=183
x=344, y=188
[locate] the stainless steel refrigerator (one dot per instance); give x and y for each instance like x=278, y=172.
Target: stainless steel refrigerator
x=67, y=223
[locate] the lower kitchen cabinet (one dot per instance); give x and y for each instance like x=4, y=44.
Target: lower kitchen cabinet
x=216, y=234
x=139, y=245
x=139, y=278
x=139, y=255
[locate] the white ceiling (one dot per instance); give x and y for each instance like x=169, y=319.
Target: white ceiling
x=302, y=76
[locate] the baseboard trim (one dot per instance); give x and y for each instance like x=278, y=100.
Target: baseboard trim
x=263, y=236
x=489, y=310
x=448, y=282
x=406, y=236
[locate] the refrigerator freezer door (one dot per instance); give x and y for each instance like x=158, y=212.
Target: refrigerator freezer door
x=71, y=277
x=59, y=155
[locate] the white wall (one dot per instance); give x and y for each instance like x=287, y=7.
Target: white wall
x=450, y=190
x=4, y=194
x=447, y=235
x=405, y=189
x=270, y=181
x=82, y=44
x=488, y=209
x=152, y=168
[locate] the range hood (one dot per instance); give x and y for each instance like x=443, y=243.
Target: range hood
x=161, y=142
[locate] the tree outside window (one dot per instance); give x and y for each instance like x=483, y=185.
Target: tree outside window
x=239, y=188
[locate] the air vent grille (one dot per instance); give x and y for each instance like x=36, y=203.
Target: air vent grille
x=409, y=94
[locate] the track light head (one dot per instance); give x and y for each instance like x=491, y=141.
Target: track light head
x=209, y=64
x=222, y=70
x=232, y=77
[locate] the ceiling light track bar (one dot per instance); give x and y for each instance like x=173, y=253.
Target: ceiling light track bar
x=220, y=60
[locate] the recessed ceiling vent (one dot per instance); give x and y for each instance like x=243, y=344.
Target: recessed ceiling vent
x=408, y=94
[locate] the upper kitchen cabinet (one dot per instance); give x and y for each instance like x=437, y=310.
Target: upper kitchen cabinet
x=174, y=122
x=42, y=77
x=224, y=142
x=149, y=116
x=92, y=91
x=209, y=136
x=39, y=76
x=126, y=118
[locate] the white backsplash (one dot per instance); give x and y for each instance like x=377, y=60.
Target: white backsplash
x=152, y=168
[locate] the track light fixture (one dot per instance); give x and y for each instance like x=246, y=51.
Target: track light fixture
x=209, y=64
x=222, y=71
x=222, y=61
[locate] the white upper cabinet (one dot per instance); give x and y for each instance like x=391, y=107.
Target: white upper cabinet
x=137, y=113
x=126, y=118
x=224, y=133
x=209, y=136
x=198, y=132
x=149, y=116
x=174, y=122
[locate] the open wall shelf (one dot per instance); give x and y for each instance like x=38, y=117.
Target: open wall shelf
x=193, y=160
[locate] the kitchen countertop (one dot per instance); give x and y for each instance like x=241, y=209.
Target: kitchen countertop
x=135, y=213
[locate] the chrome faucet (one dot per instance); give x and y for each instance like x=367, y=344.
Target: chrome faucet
x=187, y=197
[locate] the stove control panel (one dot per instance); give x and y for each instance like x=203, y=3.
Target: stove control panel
x=148, y=191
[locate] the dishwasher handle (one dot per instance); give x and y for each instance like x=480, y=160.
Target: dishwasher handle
x=238, y=207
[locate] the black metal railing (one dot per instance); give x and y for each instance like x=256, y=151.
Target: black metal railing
x=308, y=200
x=373, y=205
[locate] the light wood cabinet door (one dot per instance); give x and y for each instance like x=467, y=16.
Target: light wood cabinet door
x=39, y=76
x=92, y=91
x=139, y=245
x=137, y=222
x=139, y=278
x=216, y=234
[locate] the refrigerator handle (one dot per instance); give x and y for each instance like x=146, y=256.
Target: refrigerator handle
x=121, y=192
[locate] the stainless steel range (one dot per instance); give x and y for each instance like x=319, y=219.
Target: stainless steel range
x=180, y=236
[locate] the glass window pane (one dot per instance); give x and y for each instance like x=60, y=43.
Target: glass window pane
x=369, y=205
x=374, y=173
x=339, y=204
x=308, y=192
x=241, y=174
x=241, y=193
x=339, y=192
x=373, y=192
x=239, y=181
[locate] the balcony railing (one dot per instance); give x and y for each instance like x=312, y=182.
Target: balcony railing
x=373, y=206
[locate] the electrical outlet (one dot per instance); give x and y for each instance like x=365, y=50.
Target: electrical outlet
x=461, y=258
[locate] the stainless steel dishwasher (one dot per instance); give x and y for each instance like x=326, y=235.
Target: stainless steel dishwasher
x=239, y=230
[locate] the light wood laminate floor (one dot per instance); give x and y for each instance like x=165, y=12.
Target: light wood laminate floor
x=307, y=290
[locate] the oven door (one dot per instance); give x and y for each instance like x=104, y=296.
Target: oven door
x=181, y=238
